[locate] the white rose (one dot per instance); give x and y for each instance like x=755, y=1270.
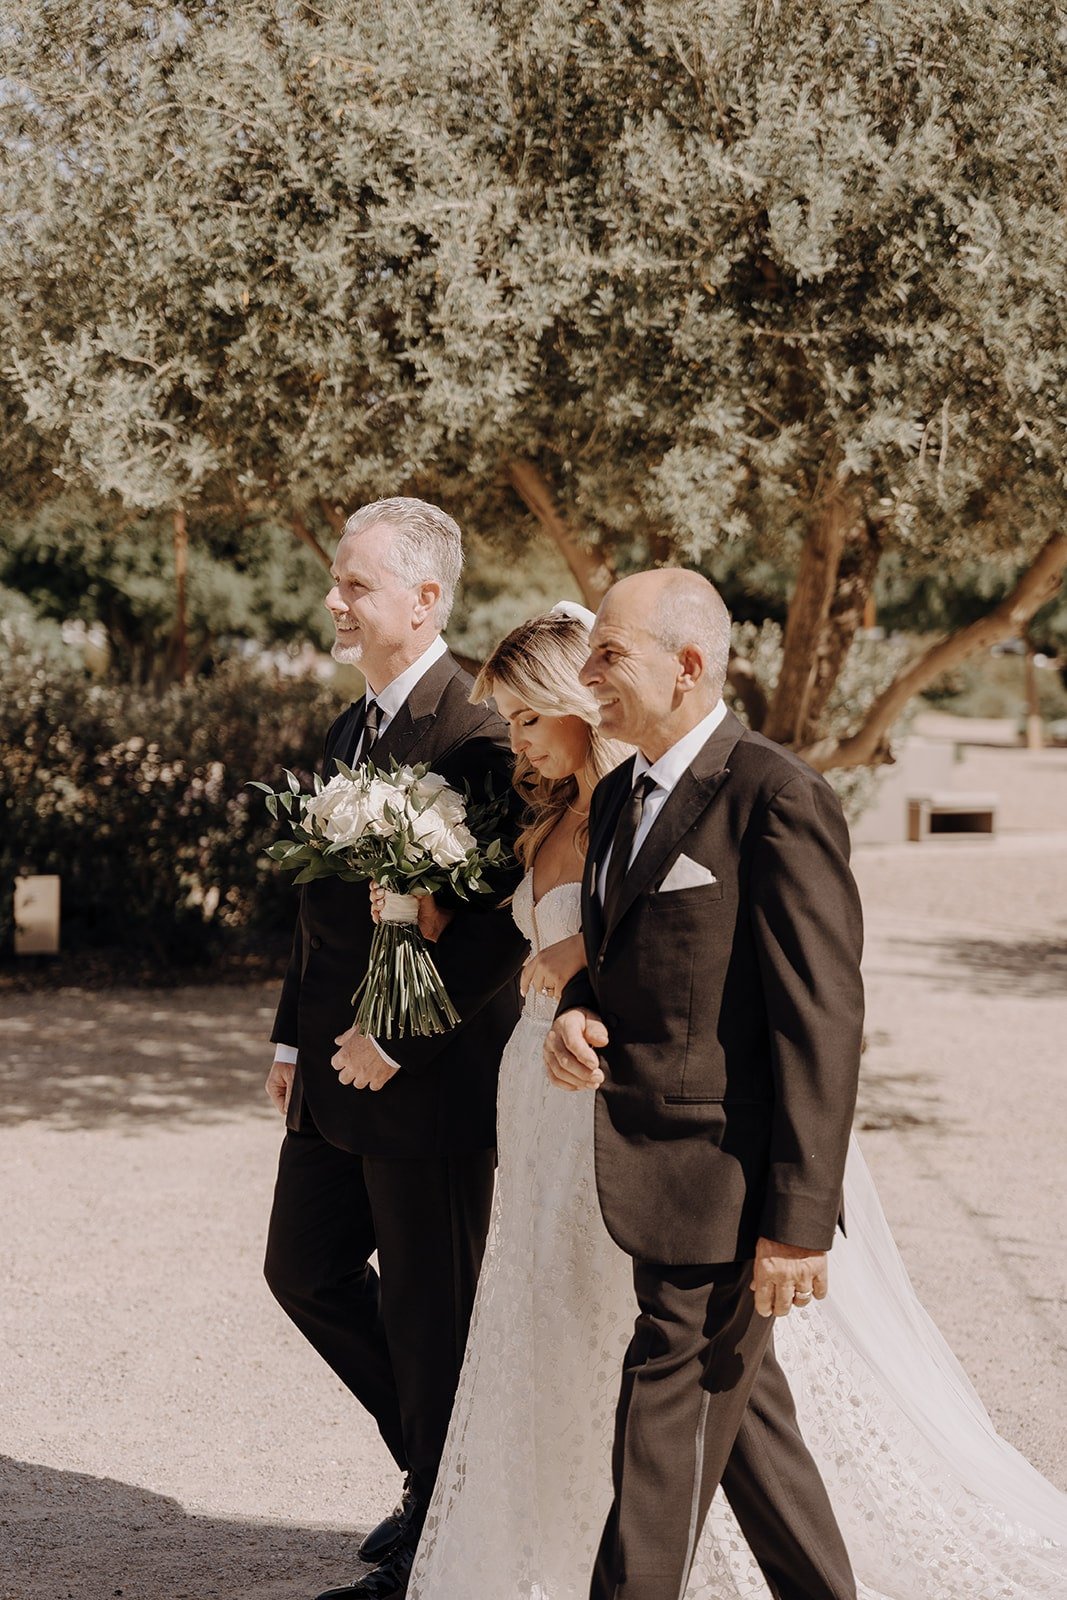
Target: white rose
x=447, y=845
x=452, y=807
x=338, y=809
x=380, y=794
x=434, y=790
x=458, y=842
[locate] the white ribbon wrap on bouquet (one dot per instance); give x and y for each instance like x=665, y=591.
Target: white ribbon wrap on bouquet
x=399, y=907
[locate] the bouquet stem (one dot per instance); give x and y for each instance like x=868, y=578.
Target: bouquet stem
x=402, y=992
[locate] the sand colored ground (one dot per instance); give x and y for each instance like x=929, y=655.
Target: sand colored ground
x=164, y=1435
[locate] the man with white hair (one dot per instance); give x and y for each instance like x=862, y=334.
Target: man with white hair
x=390, y=1146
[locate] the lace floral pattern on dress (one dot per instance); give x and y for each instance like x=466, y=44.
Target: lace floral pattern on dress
x=525, y=1483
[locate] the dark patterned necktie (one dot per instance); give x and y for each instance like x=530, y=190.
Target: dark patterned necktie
x=372, y=721
x=623, y=842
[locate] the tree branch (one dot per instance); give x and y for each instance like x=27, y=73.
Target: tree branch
x=742, y=679
x=869, y=745
x=589, y=563
x=334, y=516
x=305, y=535
x=809, y=609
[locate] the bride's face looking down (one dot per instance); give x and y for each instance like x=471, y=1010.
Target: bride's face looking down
x=560, y=752
x=555, y=746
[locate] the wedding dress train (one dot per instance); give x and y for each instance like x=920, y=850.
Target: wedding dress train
x=933, y=1504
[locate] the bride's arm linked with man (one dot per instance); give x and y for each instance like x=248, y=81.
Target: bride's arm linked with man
x=669, y=994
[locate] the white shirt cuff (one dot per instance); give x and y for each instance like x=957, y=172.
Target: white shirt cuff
x=286, y=1053
x=387, y=1059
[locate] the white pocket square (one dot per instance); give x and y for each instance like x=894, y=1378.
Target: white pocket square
x=686, y=874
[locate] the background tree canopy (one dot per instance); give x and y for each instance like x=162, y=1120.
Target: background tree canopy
x=775, y=290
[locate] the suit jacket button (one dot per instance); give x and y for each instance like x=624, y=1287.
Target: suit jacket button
x=315, y=942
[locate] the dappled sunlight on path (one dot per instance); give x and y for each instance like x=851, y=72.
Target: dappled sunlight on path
x=77, y=1058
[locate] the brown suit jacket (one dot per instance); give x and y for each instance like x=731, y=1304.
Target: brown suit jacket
x=443, y=1101
x=734, y=1009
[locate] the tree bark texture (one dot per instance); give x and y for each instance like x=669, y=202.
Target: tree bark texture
x=741, y=678
x=809, y=609
x=849, y=609
x=869, y=745
x=181, y=572
x=590, y=564
x=306, y=536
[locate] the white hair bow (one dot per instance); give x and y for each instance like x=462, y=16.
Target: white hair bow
x=576, y=613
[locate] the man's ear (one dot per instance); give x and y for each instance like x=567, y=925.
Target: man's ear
x=428, y=594
x=690, y=667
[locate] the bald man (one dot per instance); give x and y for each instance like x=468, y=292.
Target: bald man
x=719, y=1020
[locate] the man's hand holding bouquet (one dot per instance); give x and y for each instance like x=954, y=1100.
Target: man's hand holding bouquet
x=408, y=831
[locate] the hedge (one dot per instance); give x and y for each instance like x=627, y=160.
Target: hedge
x=138, y=801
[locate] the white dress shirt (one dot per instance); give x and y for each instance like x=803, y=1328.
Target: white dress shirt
x=666, y=774
x=390, y=699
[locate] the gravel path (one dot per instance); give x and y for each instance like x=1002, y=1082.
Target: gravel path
x=165, y=1435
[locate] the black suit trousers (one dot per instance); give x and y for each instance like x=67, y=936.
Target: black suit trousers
x=395, y=1337
x=704, y=1401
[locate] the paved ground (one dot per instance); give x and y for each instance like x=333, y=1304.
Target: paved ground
x=164, y=1435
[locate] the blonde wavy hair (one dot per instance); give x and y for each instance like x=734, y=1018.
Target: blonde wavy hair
x=539, y=661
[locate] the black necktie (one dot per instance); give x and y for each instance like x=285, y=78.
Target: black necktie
x=372, y=719
x=623, y=842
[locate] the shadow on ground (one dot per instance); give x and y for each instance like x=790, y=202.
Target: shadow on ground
x=896, y=1101
x=1034, y=969
x=68, y=1536
x=990, y=964
x=76, y=1059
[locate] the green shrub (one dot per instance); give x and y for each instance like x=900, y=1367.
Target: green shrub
x=138, y=801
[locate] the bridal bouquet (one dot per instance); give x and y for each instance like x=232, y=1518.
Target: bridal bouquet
x=413, y=834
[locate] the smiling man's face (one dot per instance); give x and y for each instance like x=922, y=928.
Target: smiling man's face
x=374, y=612
x=633, y=676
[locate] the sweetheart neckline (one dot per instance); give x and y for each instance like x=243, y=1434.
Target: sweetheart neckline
x=570, y=883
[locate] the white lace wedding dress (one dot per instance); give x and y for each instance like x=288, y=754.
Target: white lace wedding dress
x=932, y=1503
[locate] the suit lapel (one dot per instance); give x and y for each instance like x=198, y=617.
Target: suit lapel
x=344, y=741
x=415, y=717
x=690, y=797
x=592, y=912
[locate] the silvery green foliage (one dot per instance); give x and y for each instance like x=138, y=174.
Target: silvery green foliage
x=870, y=666
x=695, y=260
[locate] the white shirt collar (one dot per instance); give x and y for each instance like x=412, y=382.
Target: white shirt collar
x=392, y=697
x=679, y=758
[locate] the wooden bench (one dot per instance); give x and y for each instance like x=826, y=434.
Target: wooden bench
x=950, y=811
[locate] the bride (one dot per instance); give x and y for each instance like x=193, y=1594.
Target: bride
x=932, y=1503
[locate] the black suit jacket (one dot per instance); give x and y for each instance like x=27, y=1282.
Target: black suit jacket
x=734, y=1009
x=444, y=1099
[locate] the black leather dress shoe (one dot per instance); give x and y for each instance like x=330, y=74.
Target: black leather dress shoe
x=389, y=1581
x=388, y=1534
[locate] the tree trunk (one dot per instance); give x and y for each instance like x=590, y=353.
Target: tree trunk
x=305, y=535
x=849, y=608
x=1035, y=732
x=590, y=564
x=809, y=609
x=334, y=515
x=869, y=745
x=742, y=679
x=181, y=570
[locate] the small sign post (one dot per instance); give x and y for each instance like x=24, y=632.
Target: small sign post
x=37, y=915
